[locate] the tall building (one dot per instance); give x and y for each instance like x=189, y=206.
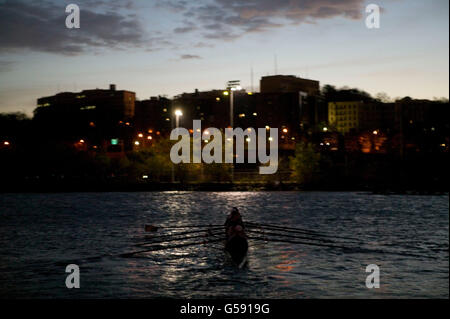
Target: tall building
x=302, y=95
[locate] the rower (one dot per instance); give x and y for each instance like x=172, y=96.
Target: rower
x=237, y=230
x=233, y=220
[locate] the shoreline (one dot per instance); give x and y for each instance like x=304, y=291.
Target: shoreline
x=55, y=187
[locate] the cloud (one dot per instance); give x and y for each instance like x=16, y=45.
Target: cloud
x=188, y=27
x=27, y=25
x=41, y=27
x=227, y=19
x=190, y=57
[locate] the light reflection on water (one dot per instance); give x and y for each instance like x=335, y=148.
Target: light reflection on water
x=41, y=233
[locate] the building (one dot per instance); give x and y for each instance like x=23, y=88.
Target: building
x=97, y=103
x=344, y=116
x=288, y=84
x=213, y=108
x=302, y=96
x=359, y=116
x=422, y=125
x=153, y=115
x=92, y=116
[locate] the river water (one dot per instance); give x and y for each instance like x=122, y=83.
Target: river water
x=405, y=236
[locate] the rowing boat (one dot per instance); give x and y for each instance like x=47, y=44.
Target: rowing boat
x=237, y=247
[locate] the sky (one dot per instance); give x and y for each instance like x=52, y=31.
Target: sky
x=173, y=46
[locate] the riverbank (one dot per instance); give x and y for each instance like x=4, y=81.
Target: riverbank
x=121, y=186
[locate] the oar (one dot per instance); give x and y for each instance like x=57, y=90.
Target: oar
x=168, y=247
x=289, y=236
x=153, y=228
x=170, y=238
x=299, y=230
x=357, y=249
x=188, y=232
x=300, y=243
x=281, y=227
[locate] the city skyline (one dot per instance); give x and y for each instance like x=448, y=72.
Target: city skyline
x=156, y=48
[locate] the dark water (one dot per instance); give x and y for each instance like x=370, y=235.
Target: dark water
x=41, y=233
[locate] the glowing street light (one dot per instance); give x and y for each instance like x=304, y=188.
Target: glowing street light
x=375, y=132
x=178, y=113
x=136, y=143
x=140, y=135
x=325, y=129
x=285, y=130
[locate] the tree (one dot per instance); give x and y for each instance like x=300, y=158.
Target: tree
x=305, y=164
x=383, y=97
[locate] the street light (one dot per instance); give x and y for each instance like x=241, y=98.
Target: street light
x=178, y=113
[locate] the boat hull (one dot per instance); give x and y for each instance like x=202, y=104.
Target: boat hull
x=237, y=247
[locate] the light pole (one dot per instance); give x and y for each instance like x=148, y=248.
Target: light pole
x=233, y=86
x=178, y=113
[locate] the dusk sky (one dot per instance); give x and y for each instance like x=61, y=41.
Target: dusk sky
x=171, y=47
